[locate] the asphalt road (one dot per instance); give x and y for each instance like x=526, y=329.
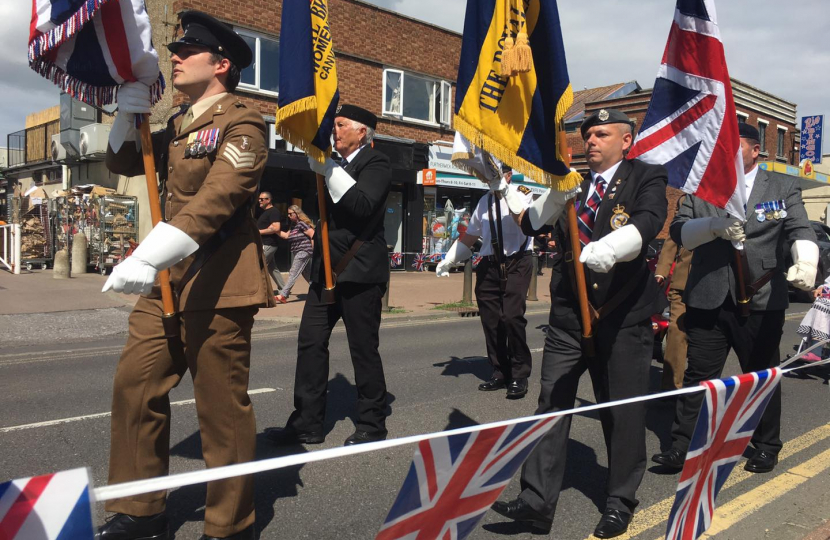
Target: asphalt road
x=433, y=369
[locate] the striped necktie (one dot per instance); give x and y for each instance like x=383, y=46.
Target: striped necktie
x=588, y=213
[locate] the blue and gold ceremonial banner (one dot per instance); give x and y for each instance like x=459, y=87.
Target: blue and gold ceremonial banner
x=308, y=77
x=516, y=117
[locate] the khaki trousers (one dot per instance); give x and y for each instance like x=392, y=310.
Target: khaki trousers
x=674, y=361
x=217, y=353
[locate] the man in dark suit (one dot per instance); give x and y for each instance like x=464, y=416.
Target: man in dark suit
x=621, y=209
x=714, y=321
x=673, y=265
x=356, y=201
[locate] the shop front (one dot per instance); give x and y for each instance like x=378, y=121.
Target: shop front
x=450, y=197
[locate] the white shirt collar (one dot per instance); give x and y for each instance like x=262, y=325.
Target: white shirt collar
x=607, y=174
x=749, y=180
x=200, y=107
x=351, y=156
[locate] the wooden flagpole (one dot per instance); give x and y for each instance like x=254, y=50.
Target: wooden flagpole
x=576, y=248
x=171, y=327
x=327, y=296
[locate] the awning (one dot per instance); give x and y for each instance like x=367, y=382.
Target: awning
x=809, y=180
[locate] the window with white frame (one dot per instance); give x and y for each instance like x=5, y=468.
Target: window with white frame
x=414, y=97
x=263, y=74
x=762, y=135
x=779, y=152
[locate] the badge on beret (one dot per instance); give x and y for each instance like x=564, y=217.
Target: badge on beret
x=338, y=109
x=619, y=218
x=603, y=115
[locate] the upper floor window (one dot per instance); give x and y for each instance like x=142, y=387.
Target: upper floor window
x=263, y=74
x=413, y=97
x=762, y=133
x=779, y=152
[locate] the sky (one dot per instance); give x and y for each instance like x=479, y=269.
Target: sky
x=779, y=46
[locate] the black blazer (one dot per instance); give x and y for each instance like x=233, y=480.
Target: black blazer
x=351, y=216
x=639, y=190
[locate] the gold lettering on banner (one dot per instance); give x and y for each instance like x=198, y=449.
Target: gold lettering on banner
x=321, y=35
x=493, y=89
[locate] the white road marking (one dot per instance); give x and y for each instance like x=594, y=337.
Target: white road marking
x=104, y=414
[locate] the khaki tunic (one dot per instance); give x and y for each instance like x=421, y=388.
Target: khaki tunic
x=217, y=308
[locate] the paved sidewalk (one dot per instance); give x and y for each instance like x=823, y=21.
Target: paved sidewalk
x=411, y=294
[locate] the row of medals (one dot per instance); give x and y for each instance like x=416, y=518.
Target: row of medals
x=199, y=144
x=771, y=210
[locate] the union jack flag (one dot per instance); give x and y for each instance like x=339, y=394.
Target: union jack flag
x=419, y=262
x=691, y=125
x=729, y=415
x=395, y=259
x=454, y=479
x=89, y=47
x=47, y=507
x=476, y=259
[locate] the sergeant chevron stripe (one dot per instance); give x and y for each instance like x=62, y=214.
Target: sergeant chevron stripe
x=238, y=158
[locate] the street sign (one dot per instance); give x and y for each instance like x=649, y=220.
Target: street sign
x=810, y=148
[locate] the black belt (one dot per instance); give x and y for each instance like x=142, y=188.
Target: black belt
x=517, y=255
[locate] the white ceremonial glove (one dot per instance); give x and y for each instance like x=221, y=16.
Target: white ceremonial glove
x=164, y=246
x=548, y=207
x=133, y=98
x=802, y=274
x=697, y=232
x=338, y=181
x=457, y=254
x=622, y=245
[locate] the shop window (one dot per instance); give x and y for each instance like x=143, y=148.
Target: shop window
x=779, y=152
x=762, y=133
x=412, y=97
x=264, y=72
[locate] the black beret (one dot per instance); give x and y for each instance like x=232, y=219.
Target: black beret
x=357, y=114
x=604, y=116
x=202, y=29
x=505, y=168
x=748, y=132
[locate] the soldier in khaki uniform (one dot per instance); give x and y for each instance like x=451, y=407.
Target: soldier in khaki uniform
x=213, y=157
x=674, y=361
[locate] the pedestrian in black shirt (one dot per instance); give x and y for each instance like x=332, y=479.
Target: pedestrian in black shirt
x=269, y=228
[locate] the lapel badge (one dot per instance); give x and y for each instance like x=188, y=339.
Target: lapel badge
x=619, y=218
x=219, y=108
x=618, y=182
x=246, y=144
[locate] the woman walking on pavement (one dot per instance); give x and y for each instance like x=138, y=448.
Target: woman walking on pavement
x=299, y=239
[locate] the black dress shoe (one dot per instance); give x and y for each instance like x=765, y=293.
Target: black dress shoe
x=671, y=458
x=124, y=527
x=517, y=389
x=519, y=510
x=761, y=462
x=247, y=533
x=492, y=384
x=288, y=436
x=361, y=437
x=613, y=523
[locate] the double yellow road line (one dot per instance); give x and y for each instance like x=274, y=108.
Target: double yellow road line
x=732, y=512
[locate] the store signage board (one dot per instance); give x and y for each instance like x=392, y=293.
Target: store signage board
x=783, y=168
x=448, y=175
x=811, y=136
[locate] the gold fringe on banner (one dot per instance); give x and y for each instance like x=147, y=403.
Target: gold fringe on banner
x=505, y=155
x=286, y=113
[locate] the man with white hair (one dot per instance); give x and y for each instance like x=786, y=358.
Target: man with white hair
x=355, y=202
